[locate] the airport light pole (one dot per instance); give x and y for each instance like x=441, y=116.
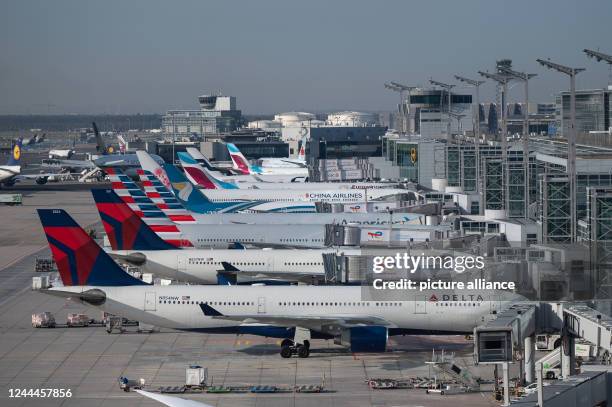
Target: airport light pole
x=448, y=88
x=525, y=77
x=571, y=137
x=600, y=56
x=397, y=87
x=502, y=80
x=406, y=89
x=476, y=85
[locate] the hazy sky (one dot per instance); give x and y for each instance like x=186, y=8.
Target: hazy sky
x=133, y=56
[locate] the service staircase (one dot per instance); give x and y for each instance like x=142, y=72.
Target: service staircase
x=444, y=364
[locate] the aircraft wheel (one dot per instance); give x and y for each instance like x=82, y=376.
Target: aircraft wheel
x=303, y=351
x=286, y=342
x=286, y=352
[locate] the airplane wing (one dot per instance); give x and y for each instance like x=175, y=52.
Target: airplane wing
x=274, y=275
x=326, y=323
x=296, y=164
x=172, y=401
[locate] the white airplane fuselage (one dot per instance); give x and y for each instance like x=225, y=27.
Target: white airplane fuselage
x=9, y=171
x=178, y=306
x=283, y=195
x=222, y=236
x=201, y=265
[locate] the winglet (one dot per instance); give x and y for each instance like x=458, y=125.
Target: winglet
x=229, y=266
x=210, y=311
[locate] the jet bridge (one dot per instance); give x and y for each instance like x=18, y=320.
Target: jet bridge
x=589, y=324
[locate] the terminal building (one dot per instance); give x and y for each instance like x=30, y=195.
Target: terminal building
x=593, y=110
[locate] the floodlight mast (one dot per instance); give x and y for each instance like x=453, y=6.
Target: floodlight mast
x=600, y=56
x=476, y=84
x=502, y=80
x=448, y=88
x=571, y=137
x=407, y=89
x=525, y=77
x=396, y=87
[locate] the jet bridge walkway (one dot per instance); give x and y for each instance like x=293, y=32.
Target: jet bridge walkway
x=590, y=325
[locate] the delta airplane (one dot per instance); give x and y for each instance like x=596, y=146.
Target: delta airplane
x=242, y=165
x=202, y=177
x=157, y=195
x=194, y=200
x=121, y=222
x=296, y=314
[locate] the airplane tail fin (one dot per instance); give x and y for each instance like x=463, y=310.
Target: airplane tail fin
x=240, y=162
x=194, y=200
x=149, y=164
x=127, y=231
x=200, y=158
x=200, y=175
x=302, y=149
x=78, y=257
x=16, y=153
x=194, y=172
x=100, y=145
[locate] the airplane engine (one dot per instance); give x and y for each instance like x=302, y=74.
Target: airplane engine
x=364, y=338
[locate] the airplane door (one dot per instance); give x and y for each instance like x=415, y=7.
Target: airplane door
x=420, y=305
x=150, y=301
x=181, y=263
x=261, y=305
x=495, y=303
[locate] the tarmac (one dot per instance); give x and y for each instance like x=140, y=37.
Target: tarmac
x=88, y=361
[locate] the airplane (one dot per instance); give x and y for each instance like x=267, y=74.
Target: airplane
x=196, y=201
x=202, y=160
x=154, y=255
x=276, y=195
x=121, y=222
x=288, y=162
x=156, y=194
x=242, y=165
x=228, y=175
x=106, y=158
x=11, y=172
x=34, y=140
x=202, y=177
x=295, y=313
x=61, y=154
x=12, y=169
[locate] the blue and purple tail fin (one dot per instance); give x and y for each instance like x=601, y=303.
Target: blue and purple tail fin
x=125, y=228
x=79, y=259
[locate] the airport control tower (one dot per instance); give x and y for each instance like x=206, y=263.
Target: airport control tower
x=217, y=114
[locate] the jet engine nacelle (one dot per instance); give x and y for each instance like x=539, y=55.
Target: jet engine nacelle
x=364, y=338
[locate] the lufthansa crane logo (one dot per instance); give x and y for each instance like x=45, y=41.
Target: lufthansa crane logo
x=413, y=155
x=16, y=152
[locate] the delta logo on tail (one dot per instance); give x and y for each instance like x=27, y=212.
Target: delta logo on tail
x=79, y=259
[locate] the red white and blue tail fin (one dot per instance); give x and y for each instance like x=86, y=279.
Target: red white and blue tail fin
x=79, y=259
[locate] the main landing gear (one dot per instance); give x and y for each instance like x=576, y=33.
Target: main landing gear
x=290, y=348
